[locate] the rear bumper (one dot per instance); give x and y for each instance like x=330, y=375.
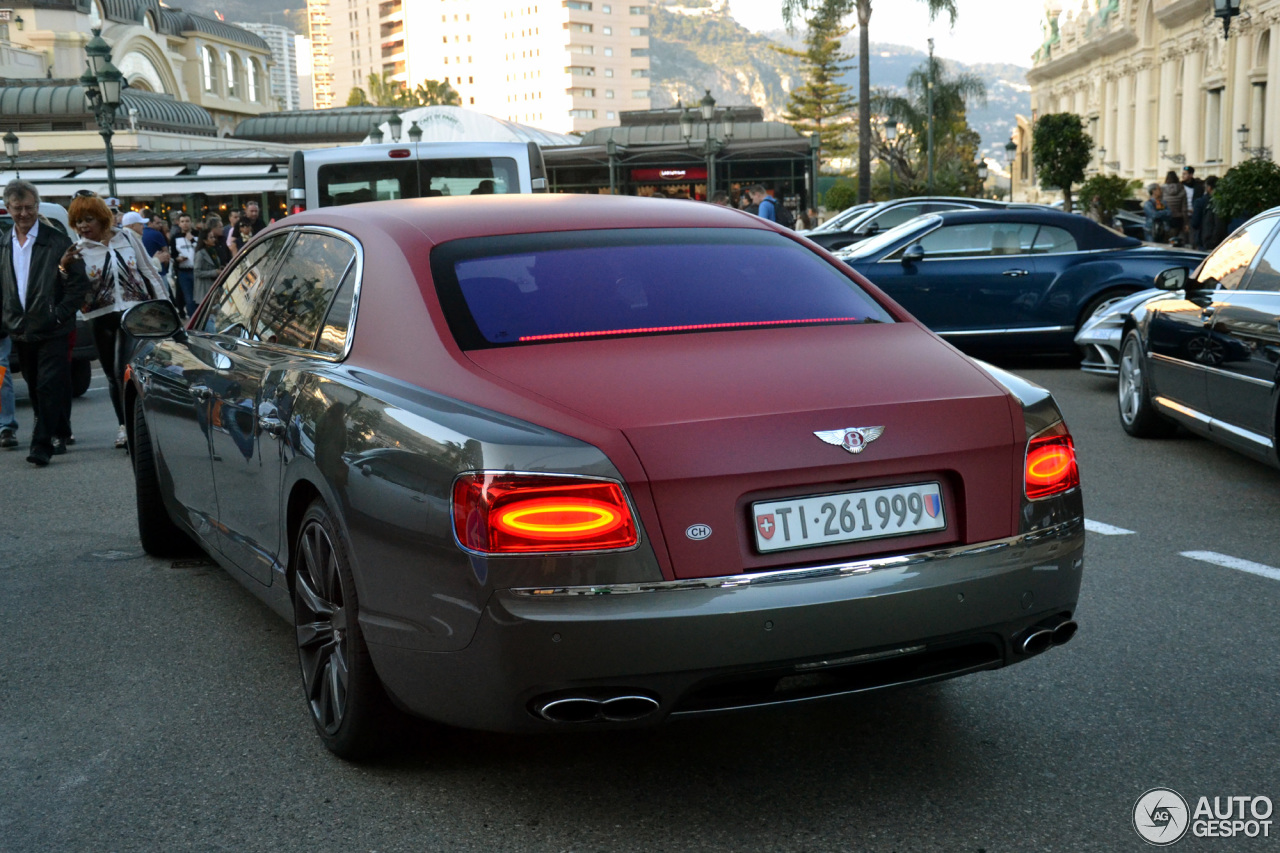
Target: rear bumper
x=721, y=643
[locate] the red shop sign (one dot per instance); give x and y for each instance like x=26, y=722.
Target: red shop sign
x=694, y=173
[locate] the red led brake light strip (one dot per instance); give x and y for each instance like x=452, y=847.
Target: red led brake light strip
x=691, y=328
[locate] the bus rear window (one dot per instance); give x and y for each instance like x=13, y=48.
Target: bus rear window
x=352, y=183
x=539, y=288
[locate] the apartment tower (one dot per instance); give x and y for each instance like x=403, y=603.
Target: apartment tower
x=565, y=65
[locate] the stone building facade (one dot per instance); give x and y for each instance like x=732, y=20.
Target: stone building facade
x=1139, y=71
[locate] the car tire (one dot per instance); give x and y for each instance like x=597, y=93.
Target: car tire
x=349, y=707
x=81, y=376
x=160, y=535
x=1138, y=416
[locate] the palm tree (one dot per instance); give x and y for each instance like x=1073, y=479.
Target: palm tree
x=790, y=8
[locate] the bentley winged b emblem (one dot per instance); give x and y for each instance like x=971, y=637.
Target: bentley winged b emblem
x=852, y=439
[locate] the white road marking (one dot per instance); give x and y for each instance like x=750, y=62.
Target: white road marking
x=1234, y=563
x=1105, y=529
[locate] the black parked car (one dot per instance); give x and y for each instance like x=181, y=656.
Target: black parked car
x=889, y=214
x=1019, y=279
x=1209, y=358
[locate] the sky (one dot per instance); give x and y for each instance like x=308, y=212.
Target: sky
x=985, y=31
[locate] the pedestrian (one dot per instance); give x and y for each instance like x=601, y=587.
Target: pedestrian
x=213, y=222
x=120, y=274
x=1194, y=188
x=766, y=204
x=156, y=241
x=207, y=261
x=185, y=242
x=42, y=283
x=253, y=213
x=133, y=220
x=1157, y=215
x=113, y=205
x=232, y=232
x=720, y=197
x=246, y=234
x=1175, y=200
x=756, y=193
x=1206, y=228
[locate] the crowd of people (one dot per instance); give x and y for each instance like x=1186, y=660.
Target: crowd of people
x=118, y=257
x=1178, y=211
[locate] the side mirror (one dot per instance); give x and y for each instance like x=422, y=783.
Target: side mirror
x=913, y=254
x=155, y=319
x=1173, y=279
x=868, y=230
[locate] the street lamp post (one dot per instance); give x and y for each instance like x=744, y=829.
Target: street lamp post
x=1163, y=142
x=102, y=84
x=1260, y=153
x=1226, y=10
x=711, y=145
x=983, y=172
x=890, y=136
x=11, y=149
x=415, y=133
x=611, y=149
x=1010, y=154
x=395, y=124
x=1114, y=165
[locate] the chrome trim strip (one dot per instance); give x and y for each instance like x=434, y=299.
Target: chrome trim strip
x=1240, y=432
x=1204, y=368
x=960, y=333
x=836, y=570
x=1216, y=424
x=1180, y=409
x=1227, y=374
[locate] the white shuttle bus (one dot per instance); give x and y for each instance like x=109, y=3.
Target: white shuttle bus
x=325, y=177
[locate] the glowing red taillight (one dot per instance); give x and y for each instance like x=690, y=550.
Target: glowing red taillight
x=1050, y=468
x=297, y=208
x=496, y=513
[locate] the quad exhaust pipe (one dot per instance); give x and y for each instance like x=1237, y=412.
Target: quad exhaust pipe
x=621, y=708
x=1041, y=638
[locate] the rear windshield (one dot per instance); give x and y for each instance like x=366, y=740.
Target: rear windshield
x=383, y=180
x=538, y=288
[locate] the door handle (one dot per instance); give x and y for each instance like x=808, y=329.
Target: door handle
x=273, y=427
x=1016, y=273
x=203, y=393
x=1207, y=313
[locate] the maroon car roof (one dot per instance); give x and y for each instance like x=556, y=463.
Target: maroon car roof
x=441, y=219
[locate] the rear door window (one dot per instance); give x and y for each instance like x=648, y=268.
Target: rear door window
x=504, y=291
x=977, y=240
x=468, y=176
x=302, y=289
x=353, y=183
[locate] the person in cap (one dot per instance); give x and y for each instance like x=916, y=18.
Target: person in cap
x=113, y=205
x=133, y=220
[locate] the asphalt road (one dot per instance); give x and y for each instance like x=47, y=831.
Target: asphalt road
x=156, y=707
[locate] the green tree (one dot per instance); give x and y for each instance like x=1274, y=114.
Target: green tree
x=822, y=105
x=1251, y=187
x=790, y=8
x=1104, y=195
x=841, y=194
x=1062, y=152
x=955, y=142
x=385, y=92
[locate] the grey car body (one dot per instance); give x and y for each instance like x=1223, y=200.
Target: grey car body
x=246, y=434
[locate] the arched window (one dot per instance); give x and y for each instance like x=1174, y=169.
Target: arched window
x=209, y=69
x=235, y=76
x=255, y=86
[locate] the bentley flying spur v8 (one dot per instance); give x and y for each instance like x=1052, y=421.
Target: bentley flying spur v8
x=547, y=462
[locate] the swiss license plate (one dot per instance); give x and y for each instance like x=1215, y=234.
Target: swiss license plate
x=848, y=517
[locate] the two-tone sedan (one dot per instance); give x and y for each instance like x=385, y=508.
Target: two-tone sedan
x=1014, y=280
x=1207, y=356
x=535, y=462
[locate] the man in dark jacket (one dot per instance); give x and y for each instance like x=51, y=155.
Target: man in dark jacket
x=42, y=284
x=1207, y=230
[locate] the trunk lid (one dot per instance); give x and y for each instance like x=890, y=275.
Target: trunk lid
x=722, y=420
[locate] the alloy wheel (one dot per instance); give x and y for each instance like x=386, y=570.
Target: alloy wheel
x=1130, y=384
x=320, y=617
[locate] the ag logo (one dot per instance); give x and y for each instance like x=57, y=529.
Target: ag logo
x=698, y=532
x=1160, y=816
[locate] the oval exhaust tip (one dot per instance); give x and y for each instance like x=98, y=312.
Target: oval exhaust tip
x=1064, y=632
x=575, y=709
x=1037, y=641
x=624, y=709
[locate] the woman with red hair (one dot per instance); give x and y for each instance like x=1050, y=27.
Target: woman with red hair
x=120, y=274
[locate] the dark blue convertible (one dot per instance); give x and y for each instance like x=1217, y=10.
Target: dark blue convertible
x=1019, y=279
